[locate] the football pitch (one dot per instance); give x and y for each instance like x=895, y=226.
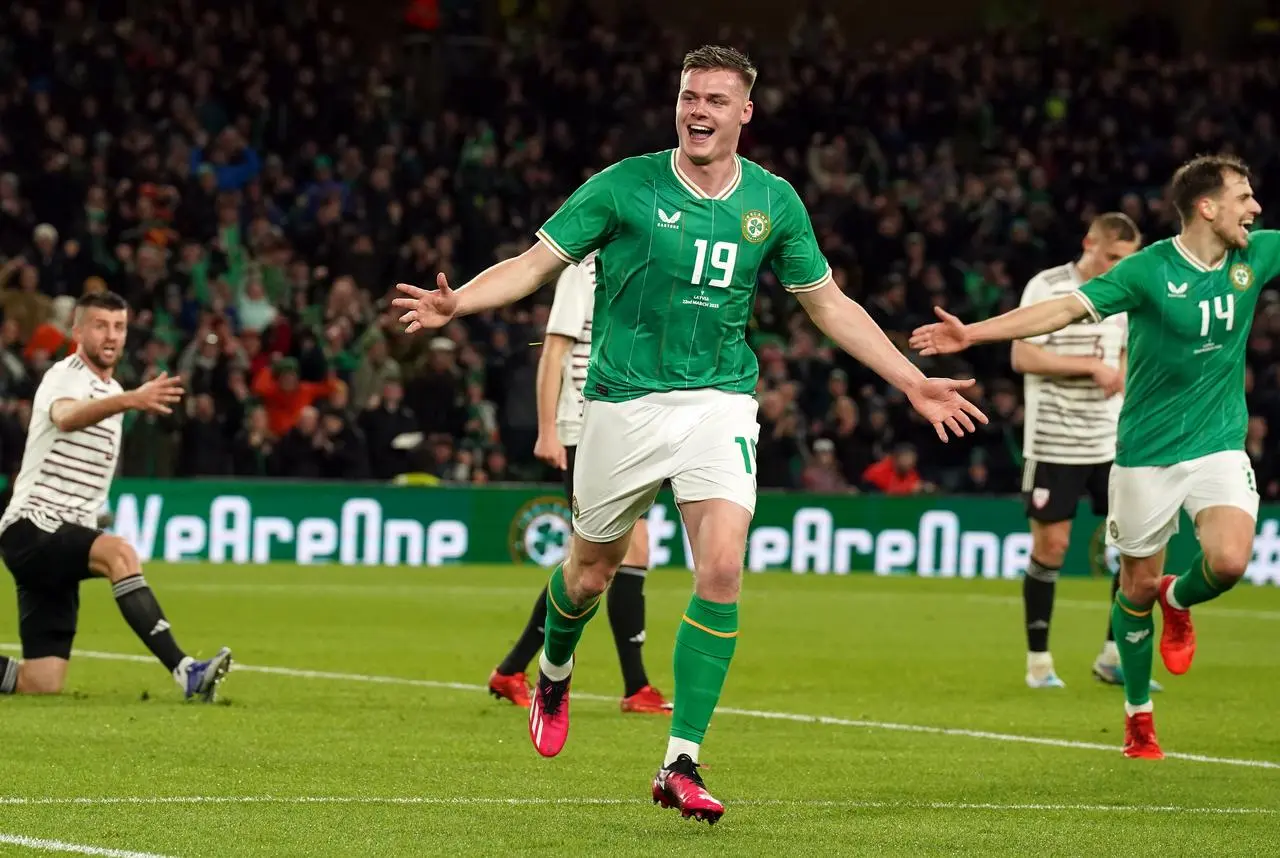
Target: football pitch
x=862, y=716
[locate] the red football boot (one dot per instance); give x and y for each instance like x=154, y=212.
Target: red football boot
x=680, y=786
x=646, y=701
x=1140, y=737
x=1178, y=637
x=513, y=687
x=549, y=715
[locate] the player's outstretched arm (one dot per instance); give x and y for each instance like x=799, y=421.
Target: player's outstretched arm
x=156, y=397
x=950, y=335
x=937, y=399
x=496, y=286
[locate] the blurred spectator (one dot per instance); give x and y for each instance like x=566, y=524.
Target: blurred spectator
x=895, y=474
x=254, y=189
x=823, y=474
x=285, y=395
x=205, y=450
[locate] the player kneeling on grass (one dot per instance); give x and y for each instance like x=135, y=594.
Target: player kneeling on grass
x=48, y=534
x=682, y=237
x=1190, y=302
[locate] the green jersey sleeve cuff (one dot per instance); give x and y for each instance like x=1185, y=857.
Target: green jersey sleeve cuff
x=1094, y=315
x=812, y=285
x=555, y=248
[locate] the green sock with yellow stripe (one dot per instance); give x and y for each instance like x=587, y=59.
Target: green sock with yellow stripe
x=1134, y=630
x=565, y=620
x=704, y=647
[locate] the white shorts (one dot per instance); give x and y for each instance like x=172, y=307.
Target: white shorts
x=1144, y=502
x=703, y=441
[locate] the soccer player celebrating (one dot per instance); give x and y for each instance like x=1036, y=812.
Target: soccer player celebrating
x=1073, y=378
x=1190, y=303
x=682, y=236
x=562, y=373
x=48, y=534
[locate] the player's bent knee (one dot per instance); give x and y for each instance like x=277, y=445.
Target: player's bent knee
x=113, y=558
x=719, y=580
x=1229, y=565
x=1141, y=590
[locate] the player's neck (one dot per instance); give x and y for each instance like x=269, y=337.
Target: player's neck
x=711, y=178
x=1201, y=242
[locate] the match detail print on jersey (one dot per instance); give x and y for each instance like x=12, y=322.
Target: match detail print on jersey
x=676, y=271
x=1189, y=327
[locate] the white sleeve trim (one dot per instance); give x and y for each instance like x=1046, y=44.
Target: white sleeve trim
x=809, y=287
x=1088, y=306
x=555, y=248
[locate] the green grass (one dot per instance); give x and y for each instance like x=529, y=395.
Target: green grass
x=922, y=652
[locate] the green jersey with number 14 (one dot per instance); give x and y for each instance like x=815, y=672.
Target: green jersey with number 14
x=677, y=270
x=1188, y=329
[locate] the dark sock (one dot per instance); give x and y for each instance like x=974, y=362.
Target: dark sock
x=1037, y=604
x=143, y=614
x=1115, y=588
x=626, y=617
x=535, y=632
x=8, y=675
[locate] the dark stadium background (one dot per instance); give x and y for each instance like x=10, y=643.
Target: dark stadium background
x=947, y=151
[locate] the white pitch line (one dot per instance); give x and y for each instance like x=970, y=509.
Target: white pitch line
x=594, y=801
x=41, y=845
x=1101, y=605
x=795, y=717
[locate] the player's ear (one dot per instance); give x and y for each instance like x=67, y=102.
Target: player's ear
x=747, y=110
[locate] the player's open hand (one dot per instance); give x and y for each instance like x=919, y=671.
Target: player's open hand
x=940, y=402
x=552, y=452
x=159, y=394
x=426, y=309
x=945, y=337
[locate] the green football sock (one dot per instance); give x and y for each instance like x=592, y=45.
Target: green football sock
x=1135, y=631
x=565, y=620
x=704, y=647
x=1198, y=584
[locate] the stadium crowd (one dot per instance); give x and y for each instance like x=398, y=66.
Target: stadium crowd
x=254, y=183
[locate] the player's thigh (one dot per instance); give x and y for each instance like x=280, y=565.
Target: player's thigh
x=637, y=555
x=620, y=462
x=1223, y=502
x=1143, y=508
x=716, y=460
x=47, y=617
x=717, y=531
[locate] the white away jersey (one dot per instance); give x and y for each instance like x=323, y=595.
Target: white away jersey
x=571, y=311
x=1070, y=421
x=65, y=476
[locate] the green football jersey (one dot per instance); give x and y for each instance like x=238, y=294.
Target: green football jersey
x=1188, y=329
x=677, y=270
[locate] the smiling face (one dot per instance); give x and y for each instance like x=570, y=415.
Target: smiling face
x=1231, y=211
x=710, y=112
x=714, y=102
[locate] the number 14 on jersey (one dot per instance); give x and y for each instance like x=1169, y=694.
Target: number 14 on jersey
x=1224, y=308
